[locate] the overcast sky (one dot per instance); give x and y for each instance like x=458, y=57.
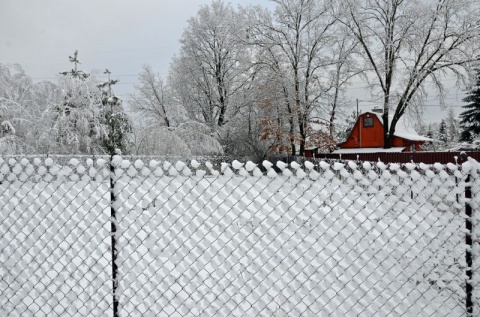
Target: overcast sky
x=122, y=35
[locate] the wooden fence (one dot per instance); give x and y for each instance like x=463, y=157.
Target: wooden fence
x=416, y=157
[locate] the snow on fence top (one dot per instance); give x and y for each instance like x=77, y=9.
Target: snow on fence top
x=98, y=169
x=368, y=177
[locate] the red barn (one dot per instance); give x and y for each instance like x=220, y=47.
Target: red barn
x=367, y=136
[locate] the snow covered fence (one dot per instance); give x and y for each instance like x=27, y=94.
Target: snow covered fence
x=326, y=239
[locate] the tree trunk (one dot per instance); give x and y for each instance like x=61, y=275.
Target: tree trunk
x=292, y=136
x=303, y=136
x=387, y=138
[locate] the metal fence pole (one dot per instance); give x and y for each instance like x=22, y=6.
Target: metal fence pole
x=113, y=232
x=469, y=242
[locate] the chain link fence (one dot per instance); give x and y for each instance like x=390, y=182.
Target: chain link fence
x=115, y=237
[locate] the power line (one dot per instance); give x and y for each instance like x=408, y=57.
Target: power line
x=98, y=76
x=93, y=52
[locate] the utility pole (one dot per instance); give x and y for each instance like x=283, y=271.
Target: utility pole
x=357, y=107
x=113, y=213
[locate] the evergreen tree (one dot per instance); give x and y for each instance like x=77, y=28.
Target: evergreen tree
x=118, y=124
x=453, y=127
x=75, y=72
x=442, y=132
x=342, y=130
x=77, y=125
x=429, y=131
x=470, y=118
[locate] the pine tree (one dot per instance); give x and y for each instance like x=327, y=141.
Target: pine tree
x=442, y=132
x=77, y=124
x=429, y=131
x=75, y=73
x=342, y=130
x=452, y=127
x=470, y=118
x=117, y=139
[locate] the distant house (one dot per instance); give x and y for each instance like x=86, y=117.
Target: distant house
x=367, y=136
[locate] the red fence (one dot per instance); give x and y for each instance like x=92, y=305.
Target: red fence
x=416, y=157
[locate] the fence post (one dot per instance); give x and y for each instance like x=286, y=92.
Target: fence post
x=469, y=242
x=113, y=233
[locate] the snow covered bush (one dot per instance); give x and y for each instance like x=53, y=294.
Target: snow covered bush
x=23, y=106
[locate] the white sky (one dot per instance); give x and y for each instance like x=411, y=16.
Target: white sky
x=122, y=35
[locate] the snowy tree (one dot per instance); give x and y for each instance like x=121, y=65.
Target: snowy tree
x=14, y=86
x=189, y=138
x=209, y=75
x=153, y=101
x=240, y=137
x=345, y=67
x=117, y=139
x=410, y=44
x=151, y=140
x=213, y=73
x=430, y=129
x=442, y=132
x=453, y=127
x=23, y=105
x=78, y=126
x=160, y=123
x=421, y=127
x=214, y=76
x=344, y=128
x=276, y=110
x=198, y=138
x=278, y=133
x=319, y=136
x=470, y=117
x=296, y=40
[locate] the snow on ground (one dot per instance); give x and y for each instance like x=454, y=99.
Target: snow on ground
x=331, y=240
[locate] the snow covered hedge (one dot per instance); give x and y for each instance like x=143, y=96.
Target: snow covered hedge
x=235, y=239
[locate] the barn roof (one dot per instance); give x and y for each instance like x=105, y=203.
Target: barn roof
x=403, y=129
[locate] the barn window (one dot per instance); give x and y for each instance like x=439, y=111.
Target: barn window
x=368, y=122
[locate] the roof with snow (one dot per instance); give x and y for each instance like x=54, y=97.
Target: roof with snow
x=403, y=129
x=369, y=150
